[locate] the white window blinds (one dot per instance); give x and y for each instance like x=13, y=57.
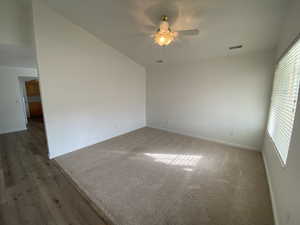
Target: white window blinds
x=284, y=100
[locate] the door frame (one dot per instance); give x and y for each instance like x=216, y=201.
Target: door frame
x=23, y=96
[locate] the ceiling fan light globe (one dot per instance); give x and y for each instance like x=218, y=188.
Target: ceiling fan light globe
x=164, y=38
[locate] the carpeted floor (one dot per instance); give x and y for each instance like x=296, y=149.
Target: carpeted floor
x=154, y=177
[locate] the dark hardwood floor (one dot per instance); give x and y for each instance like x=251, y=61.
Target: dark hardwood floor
x=33, y=189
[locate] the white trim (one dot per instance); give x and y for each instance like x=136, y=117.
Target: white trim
x=209, y=139
x=275, y=214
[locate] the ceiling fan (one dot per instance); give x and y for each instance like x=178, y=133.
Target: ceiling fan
x=165, y=36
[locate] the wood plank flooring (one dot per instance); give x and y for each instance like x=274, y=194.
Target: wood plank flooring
x=33, y=190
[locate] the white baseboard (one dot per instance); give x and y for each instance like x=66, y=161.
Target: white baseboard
x=13, y=130
x=276, y=221
x=209, y=139
x=93, y=142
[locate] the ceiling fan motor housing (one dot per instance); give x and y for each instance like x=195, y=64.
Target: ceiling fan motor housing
x=164, y=25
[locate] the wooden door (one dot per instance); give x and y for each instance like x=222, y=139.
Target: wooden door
x=32, y=88
x=34, y=99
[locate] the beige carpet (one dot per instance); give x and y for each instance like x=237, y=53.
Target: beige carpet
x=150, y=177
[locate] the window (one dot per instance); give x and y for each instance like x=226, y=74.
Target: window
x=284, y=100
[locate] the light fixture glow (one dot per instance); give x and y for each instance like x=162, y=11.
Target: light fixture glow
x=164, y=37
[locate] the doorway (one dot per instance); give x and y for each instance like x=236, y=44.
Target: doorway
x=31, y=99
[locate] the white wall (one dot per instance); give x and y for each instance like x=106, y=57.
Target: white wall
x=285, y=182
x=14, y=23
x=224, y=99
x=11, y=111
x=90, y=92
x=291, y=27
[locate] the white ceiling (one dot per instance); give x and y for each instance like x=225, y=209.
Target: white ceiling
x=126, y=25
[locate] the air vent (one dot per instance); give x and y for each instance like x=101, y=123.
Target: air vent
x=235, y=47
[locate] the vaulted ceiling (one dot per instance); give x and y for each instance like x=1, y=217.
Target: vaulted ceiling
x=127, y=25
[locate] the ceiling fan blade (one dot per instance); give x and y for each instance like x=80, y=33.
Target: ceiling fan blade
x=188, y=32
x=149, y=28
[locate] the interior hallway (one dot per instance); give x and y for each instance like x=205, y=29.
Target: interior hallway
x=33, y=190
x=151, y=176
